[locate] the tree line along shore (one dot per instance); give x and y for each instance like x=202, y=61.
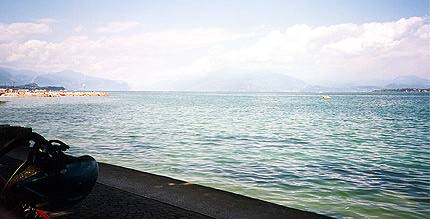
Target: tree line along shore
x=47, y=93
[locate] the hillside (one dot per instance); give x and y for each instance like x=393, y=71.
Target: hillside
x=69, y=79
x=409, y=81
x=242, y=82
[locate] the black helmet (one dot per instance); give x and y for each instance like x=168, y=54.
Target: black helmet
x=49, y=179
x=54, y=184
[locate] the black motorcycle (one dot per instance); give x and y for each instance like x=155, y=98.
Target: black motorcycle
x=47, y=179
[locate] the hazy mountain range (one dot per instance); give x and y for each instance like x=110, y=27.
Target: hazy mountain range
x=410, y=81
x=273, y=82
x=217, y=81
x=69, y=79
x=246, y=82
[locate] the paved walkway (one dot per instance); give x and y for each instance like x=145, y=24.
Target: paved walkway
x=108, y=202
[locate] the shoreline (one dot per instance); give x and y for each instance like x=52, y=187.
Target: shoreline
x=204, y=200
x=169, y=193
x=45, y=93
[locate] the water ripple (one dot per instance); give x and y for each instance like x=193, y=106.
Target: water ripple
x=354, y=156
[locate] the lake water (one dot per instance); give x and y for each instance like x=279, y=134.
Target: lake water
x=354, y=155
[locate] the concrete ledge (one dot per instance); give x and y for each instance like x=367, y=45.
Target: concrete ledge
x=197, y=201
x=204, y=200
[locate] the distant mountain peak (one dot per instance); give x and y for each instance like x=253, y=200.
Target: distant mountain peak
x=242, y=82
x=409, y=81
x=68, y=72
x=409, y=78
x=69, y=79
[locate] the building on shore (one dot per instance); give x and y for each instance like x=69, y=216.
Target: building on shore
x=47, y=93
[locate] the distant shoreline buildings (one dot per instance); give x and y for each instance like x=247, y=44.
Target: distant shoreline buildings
x=32, y=86
x=404, y=90
x=33, y=90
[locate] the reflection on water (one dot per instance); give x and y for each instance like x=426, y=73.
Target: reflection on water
x=354, y=155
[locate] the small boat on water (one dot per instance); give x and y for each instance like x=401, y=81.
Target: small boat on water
x=326, y=97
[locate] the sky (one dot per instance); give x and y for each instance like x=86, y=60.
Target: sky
x=146, y=43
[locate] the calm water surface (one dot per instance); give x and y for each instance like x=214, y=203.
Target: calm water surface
x=353, y=156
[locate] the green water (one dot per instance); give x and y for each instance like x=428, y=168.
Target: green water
x=353, y=156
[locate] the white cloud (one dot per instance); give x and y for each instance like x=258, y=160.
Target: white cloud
x=47, y=20
x=117, y=27
x=17, y=31
x=78, y=28
x=341, y=52
x=337, y=52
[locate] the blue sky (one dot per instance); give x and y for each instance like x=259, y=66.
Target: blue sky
x=231, y=14
x=310, y=11
x=148, y=42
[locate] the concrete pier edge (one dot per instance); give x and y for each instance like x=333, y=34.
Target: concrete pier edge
x=196, y=198
x=193, y=197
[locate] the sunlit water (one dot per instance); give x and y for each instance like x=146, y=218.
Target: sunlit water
x=355, y=155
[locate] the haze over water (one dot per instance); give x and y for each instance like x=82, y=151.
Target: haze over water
x=355, y=155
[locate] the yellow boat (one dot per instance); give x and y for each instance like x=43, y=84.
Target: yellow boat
x=326, y=97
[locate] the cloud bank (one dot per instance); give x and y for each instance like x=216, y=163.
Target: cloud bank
x=117, y=27
x=122, y=50
x=18, y=31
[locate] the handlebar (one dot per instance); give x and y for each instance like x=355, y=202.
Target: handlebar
x=14, y=136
